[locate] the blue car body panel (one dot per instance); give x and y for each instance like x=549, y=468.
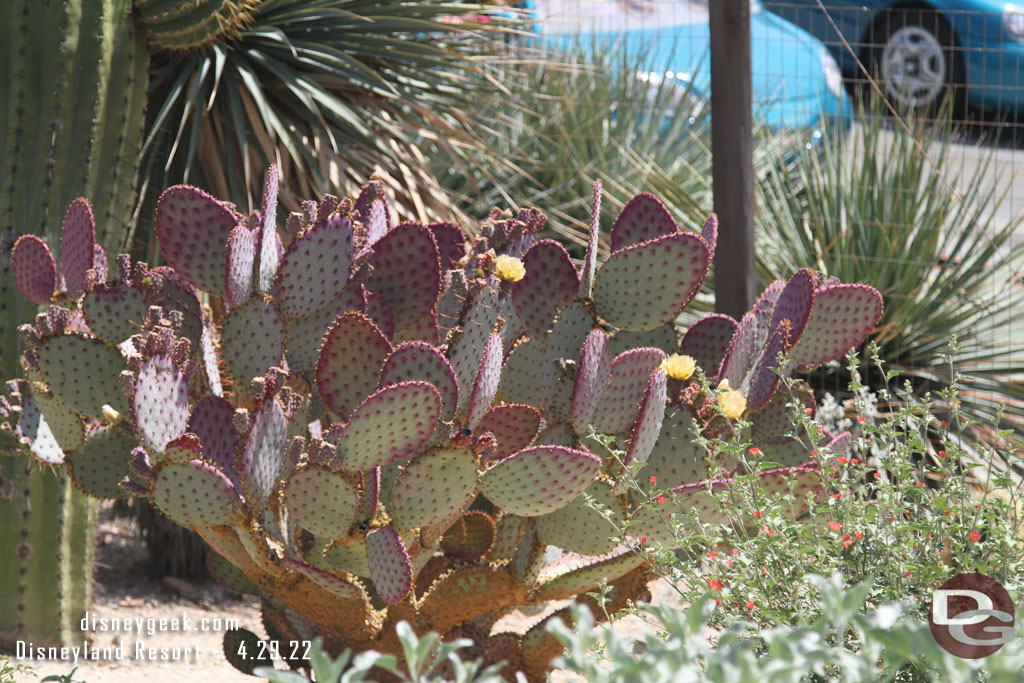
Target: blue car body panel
x=993, y=60
x=790, y=90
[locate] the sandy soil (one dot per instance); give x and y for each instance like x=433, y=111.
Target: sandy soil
x=187, y=644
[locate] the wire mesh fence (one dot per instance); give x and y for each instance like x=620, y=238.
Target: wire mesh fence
x=887, y=152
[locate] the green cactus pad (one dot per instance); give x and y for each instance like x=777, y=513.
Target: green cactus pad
x=789, y=452
x=424, y=329
x=433, y=487
x=257, y=653
x=407, y=272
x=646, y=285
x=592, y=377
x=588, y=577
x=569, y=333
x=229, y=575
x=590, y=261
x=63, y=422
x=193, y=230
x=471, y=538
x=160, y=405
x=797, y=482
x=514, y=426
x=527, y=377
x=350, y=363
x=654, y=522
x=389, y=425
x=549, y=285
x=794, y=303
x=114, y=311
x=707, y=341
x=742, y=352
x=648, y=422
x=241, y=258
x=196, y=494
x=451, y=243
x=185, y=448
x=344, y=589
x=34, y=270
x=212, y=421
x=347, y=558
x=642, y=219
x=771, y=423
x=486, y=385
x=178, y=294
x=528, y=559
x=99, y=263
x=476, y=327
x=376, y=222
x=663, y=338
x=77, y=242
x=101, y=463
x=379, y=311
x=315, y=268
x=305, y=336
x=539, y=480
x=617, y=410
x=840, y=444
x=270, y=242
x=421, y=361
x=842, y=317
x=709, y=231
x=558, y=434
x=465, y=593
x=765, y=377
x=84, y=372
x=675, y=460
x=322, y=502
x=252, y=341
x=509, y=530
x=579, y=528
x=263, y=454
x=389, y=564
x=453, y=302
x=371, y=492
x=34, y=430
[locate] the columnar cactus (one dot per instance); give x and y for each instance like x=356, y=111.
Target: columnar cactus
x=409, y=415
x=74, y=86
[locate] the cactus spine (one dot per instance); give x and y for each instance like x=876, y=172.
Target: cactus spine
x=73, y=91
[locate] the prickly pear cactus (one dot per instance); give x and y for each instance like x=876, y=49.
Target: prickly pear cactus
x=410, y=416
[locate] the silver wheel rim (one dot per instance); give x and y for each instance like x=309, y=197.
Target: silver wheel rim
x=914, y=67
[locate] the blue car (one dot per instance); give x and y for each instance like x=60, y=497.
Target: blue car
x=793, y=88
x=971, y=49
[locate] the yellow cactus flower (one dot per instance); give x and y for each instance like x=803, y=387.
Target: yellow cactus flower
x=679, y=367
x=733, y=403
x=509, y=268
x=724, y=385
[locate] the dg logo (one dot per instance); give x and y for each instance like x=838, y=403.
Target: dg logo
x=971, y=616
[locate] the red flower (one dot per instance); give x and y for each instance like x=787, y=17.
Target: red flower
x=735, y=551
x=946, y=511
x=975, y=536
x=755, y=451
x=716, y=584
x=862, y=420
x=919, y=483
x=842, y=461
x=643, y=539
x=846, y=544
x=770, y=532
x=854, y=461
x=756, y=513
x=837, y=496
x=944, y=424
x=835, y=526
x=728, y=563
x=654, y=480
x=750, y=604
x=942, y=454
x=858, y=534
x=712, y=554
x=809, y=411
x=906, y=573
x=661, y=499
x=878, y=475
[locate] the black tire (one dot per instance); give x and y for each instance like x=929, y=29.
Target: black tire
x=914, y=58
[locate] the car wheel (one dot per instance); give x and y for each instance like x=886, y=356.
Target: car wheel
x=915, y=60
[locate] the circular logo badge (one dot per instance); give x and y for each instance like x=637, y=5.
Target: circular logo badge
x=971, y=616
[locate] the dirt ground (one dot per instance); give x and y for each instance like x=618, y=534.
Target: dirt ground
x=186, y=645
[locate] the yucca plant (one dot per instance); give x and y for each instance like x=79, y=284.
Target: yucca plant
x=886, y=203
x=333, y=91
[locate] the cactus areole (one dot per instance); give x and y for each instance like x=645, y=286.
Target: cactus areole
x=390, y=422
